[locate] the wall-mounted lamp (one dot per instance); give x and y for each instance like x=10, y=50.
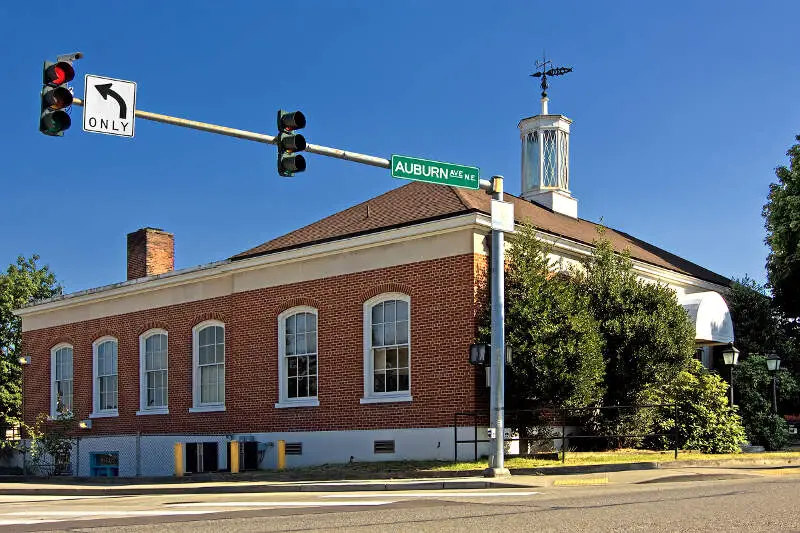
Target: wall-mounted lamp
x=85, y=424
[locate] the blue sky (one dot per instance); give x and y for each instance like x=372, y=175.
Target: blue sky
x=681, y=112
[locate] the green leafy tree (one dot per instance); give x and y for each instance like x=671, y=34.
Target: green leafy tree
x=705, y=419
x=648, y=338
x=23, y=282
x=557, y=358
x=760, y=327
x=753, y=385
x=782, y=221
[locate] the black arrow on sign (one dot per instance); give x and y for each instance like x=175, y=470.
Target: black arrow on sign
x=106, y=91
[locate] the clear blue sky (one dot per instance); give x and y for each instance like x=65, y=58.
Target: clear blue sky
x=681, y=112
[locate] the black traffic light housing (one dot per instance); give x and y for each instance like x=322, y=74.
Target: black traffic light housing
x=56, y=95
x=288, y=143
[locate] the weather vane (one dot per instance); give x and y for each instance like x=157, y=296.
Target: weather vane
x=543, y=72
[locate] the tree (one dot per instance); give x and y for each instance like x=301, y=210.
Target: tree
x=557, y=359
x=761, y=328
x=753, y=383
x=23, y=282
x=782, y=221
x=648, y=338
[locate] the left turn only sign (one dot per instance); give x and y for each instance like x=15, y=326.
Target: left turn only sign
x=109, y=105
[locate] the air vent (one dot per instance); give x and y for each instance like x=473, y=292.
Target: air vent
x=384, y=446
x=294, y=448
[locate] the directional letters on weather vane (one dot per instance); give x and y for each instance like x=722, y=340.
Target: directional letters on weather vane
x=109, y=106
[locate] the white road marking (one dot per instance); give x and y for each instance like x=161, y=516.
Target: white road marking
x=437, y=494
x=281, y=504
x=43, y=517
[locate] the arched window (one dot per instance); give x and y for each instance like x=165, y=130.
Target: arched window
x=209, y=366
x=61, y=380
x=297, y=353
x=153, y=373
x=387, y=348
x=106, y=395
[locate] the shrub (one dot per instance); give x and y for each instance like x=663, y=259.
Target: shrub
x=706, y=422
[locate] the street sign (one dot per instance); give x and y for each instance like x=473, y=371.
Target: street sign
x=414, y=168
x=109, y=106
x=503, y=216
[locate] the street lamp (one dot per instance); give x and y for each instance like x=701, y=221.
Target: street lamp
x=773, y=364
x=731, y=357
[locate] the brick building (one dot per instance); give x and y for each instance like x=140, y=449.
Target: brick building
x=347, y=338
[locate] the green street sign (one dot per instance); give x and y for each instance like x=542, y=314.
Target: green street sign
x=414, y=168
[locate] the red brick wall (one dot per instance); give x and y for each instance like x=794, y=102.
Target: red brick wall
x=442, y=381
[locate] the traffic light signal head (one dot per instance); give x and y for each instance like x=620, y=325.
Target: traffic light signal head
x=288, y=143
x=56, y=96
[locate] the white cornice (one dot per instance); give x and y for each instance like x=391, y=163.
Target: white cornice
x=227, y=267
x=477, y=221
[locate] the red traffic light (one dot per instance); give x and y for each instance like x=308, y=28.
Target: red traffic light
x=59, y=73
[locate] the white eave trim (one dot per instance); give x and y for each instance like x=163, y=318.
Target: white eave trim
x=577, y=248
x=221, y=268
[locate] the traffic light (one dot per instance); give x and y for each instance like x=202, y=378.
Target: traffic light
x=289, y=161
x=56, y=95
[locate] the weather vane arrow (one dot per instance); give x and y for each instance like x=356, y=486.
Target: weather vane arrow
x=543, y=72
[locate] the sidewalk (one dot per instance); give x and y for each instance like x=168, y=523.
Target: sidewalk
x=521, y=478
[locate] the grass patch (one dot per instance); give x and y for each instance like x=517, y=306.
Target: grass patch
x=618, y=456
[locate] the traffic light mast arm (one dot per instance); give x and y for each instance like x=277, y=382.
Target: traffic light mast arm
x=267, y=139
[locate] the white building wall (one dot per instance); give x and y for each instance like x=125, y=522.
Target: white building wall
x=153, y=455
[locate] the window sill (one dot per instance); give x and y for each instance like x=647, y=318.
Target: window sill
x=163, y=411
x=62, y=416
x=105, y=414
x=386, y=399
x=310, y=402
x=207, y=409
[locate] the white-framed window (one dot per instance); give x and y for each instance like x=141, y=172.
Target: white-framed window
x=387, y=348
x=297, y=357
x=153, y=372
x=208, y=392
x=104, y=370
x=61, y=380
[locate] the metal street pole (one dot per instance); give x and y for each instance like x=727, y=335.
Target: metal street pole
x=326, y=151
x=496, y=403
x=731, y=385
x=774, y=393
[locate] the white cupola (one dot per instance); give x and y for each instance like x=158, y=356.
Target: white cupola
x=545, y=161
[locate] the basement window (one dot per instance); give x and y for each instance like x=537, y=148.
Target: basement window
x=384, y=446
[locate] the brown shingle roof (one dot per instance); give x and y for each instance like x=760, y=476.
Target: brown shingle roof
x=420, y=202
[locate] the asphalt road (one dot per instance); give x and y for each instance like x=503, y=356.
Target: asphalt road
x=753, y=501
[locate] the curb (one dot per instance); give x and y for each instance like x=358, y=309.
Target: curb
x=259, y=488
x=462, y=480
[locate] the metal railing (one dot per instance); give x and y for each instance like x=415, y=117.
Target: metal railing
x=564, y=417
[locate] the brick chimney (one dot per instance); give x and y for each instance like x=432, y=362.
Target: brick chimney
x=151, y=251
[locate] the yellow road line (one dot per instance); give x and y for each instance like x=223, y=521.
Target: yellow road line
x=580, y=482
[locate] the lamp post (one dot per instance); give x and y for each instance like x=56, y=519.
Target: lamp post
x=773, y=364
x=731, y=357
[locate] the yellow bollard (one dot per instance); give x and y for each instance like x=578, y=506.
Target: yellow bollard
x=178, y=459
x=281, y=454
x=234, y=457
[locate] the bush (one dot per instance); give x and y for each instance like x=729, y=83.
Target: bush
x=706, y=422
